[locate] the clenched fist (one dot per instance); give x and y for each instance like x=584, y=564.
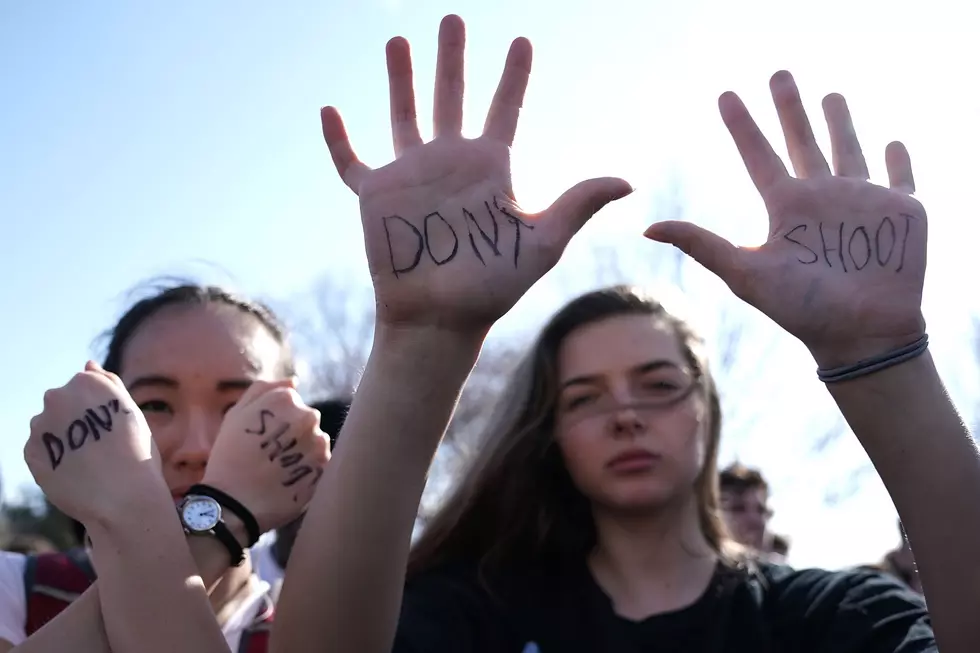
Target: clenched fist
x=269, y=454
x=90, y=445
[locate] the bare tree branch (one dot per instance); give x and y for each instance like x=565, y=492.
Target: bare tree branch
x=334, y=332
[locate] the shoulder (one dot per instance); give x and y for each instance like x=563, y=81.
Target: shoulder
x=13, y=598
x=860, y=606
x=452, y=608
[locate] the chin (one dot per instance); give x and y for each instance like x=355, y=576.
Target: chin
x=639, y=498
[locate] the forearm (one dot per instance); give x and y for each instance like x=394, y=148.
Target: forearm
x=78, y=628
x=81, y=622
x=930, y=466
x=347, y=569
x=151, y=595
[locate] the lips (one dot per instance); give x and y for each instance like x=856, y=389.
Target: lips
x=633, y=460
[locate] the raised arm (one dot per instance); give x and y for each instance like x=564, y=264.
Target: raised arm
x=843, y=271
x=450, y=251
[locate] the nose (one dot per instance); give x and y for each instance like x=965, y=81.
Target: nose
x=626, y=421
x=194, y=449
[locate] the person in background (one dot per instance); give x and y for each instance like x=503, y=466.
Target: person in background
x=209, y=377
x=270, y=556
x=745, y=505
x=779, y=547
x=588, y=520
x=26, y=544
x=900, y=562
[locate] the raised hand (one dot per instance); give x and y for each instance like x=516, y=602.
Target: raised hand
x=269, y=454
x=446, y=240
x=844, y=263
x=90, y=447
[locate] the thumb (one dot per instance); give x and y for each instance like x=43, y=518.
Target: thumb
x=583, y=200
x=709, y=249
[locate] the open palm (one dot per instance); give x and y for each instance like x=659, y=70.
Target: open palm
x=446, y=240
x=844, y=263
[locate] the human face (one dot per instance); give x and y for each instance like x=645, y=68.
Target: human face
x=630, y=424
x=185, y=367
x=747, y=515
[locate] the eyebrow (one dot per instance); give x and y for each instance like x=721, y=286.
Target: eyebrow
x=160, y=381
x=639, y=369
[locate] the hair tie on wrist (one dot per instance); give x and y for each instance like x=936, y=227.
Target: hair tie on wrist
x=875, y=363
x=234, y=506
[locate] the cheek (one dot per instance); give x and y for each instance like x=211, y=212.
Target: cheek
x=583, y=452
x=685, y=438
x=167, y=434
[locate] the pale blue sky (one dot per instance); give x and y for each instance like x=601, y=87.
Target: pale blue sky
x=139, y=140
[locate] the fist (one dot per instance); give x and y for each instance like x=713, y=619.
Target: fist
x=269, y=454
x=90, y=445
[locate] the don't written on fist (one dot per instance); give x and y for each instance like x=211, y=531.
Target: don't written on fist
x=90, y=447
x=270, y=453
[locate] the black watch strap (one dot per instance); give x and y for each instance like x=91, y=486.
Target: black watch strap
x=231, y=504
x=225, y=536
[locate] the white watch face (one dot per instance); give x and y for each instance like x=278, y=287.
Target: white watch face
x=201, y=514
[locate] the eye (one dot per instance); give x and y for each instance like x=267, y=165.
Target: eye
x=578, y=401
x=155, y=406
x=660, y=384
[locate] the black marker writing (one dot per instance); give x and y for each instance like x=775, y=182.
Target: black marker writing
x=399, y=232
x=55, y=447
x=264, y=414
x=827, y=250
x=789, y=237
x=296, y=474
x=518, y=223
x=391, y=251
x=92, y=421
x=428, y=241
x=279, y=450
x=866, y=247
x=905, y=239
x=470, y=218
x=859, y=245
x=879, y=247
x=77, y=434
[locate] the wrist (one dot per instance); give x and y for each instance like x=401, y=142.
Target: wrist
x=146, y=498
x=834, y=355
x=236, y=526
x=413, y=341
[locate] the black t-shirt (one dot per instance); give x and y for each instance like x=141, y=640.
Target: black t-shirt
x=765, y=608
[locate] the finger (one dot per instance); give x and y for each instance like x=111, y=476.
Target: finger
x=259, y=388
x=764, y=166
x=349, y=167
x=401, y=92
x=716, y=254
x=844, y=146
x=505, y=108
x=804, y=153
x=899, y=165
x=447, y=111
x=573, y=209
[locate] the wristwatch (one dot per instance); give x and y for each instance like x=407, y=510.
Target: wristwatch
x=201, y=515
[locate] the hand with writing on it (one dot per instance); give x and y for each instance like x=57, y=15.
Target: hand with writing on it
x=90, y=449
x=269, y=454
x=844, y=263
x=447, y=244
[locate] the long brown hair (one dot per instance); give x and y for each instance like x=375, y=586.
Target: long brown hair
x=516, y=504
